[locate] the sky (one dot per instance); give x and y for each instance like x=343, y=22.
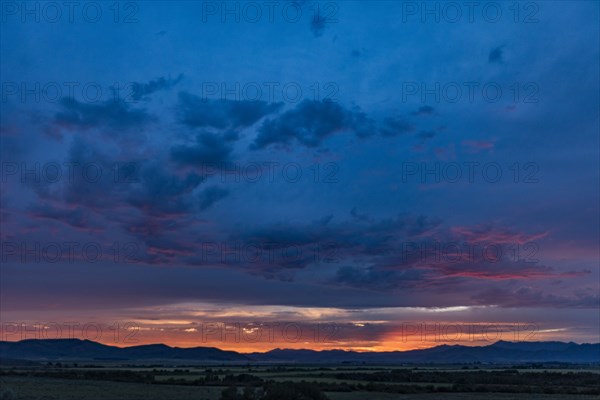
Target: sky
x=327, y=175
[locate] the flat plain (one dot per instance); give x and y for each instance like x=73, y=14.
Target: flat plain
x=122, y=382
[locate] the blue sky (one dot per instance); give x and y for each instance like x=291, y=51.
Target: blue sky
x=377, y=157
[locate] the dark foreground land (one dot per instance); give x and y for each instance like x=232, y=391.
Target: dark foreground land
x=343, y=382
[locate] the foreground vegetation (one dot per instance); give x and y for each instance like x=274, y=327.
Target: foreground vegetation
x=129, y=382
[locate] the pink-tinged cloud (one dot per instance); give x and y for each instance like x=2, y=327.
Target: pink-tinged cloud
x=489, y=234
x=531, y=273
x=476, y=146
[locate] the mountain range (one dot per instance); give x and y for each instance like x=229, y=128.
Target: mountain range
x=499, y=352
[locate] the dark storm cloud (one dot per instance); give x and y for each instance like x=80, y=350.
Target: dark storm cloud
x=209, y=149
x=361, y=124
x=144, y=201
x=166, y=204
x=405, y=251
x=532, y=297
x=350, y=241
x=426, y=134
x=310, y=122
x=395, y=127
x=160, y=192
x=152, y=204
x=76, y=217
x=423, y=110
x=163, y=238
x=89, y=178
x=425, y=262
x=115, y=114
x=196, y=112
x=487, y=233
x=480, y=267
x=211, y=195
x=496, y=55
x=141, y=91
x=377, y=279
x=430, y=134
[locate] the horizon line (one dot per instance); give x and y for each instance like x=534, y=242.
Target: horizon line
x=298, y=349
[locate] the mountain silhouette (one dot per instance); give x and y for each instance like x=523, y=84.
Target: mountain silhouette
x=499, y=352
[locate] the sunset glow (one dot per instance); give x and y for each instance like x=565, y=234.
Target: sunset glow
x=371, y=180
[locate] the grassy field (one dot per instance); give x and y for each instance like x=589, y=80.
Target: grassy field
x=450, y=396
x=64, y=389
x=112, y=382
x=27, y=388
